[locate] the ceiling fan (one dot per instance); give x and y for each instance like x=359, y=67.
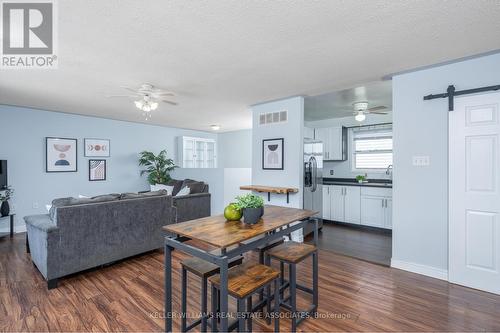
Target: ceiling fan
x=147, y=97
x=361, y=110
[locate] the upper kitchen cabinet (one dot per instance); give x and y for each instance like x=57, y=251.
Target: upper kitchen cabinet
x=334, y=142
x=308, y=133
x=197, y=152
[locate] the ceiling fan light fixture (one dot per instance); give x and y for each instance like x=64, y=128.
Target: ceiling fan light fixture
x=215, y=127
x=360, y=116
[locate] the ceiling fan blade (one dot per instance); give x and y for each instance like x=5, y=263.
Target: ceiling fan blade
x=376, y=108
x=135, y=91
x=115, y=96
x=163, y=93
x=169, y=102
x=379, y=112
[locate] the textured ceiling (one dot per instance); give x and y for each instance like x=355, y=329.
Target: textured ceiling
x=339, y=104
x=221, y=56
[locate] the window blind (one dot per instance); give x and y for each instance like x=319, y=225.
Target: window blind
x=372, y=148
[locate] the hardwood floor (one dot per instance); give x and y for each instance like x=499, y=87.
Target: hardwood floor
x=128, y=296
x=363, y=243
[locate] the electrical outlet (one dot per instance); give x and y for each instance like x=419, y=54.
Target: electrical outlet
x=35, y=205
x=331, y=172
x=421, y=161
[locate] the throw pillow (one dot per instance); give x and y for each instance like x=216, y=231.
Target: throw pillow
x=184, y=191
x=177, y=184
x=195, y=186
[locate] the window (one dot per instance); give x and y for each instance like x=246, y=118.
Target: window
x=372, y=148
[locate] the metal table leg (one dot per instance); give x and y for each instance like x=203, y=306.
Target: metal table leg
x=11, y=226
x=168, y=288
x=224, y=309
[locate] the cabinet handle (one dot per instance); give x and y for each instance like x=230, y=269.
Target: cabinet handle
x=383, y=203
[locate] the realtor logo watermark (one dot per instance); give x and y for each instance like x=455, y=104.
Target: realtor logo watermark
x=29, y=34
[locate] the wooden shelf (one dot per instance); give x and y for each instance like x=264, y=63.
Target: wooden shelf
x=271, y=189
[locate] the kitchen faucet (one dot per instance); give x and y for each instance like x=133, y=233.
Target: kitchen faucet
x=388, y=170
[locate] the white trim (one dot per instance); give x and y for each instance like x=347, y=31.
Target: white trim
x=433, y=272
x=17, y=228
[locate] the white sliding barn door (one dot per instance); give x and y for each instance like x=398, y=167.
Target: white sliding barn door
x=474, y=192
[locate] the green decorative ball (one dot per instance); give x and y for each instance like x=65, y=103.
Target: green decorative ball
x=232, y=213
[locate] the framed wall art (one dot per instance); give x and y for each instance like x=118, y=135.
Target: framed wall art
x=61, y=154
x=97, y=170
x=97, y=147
x=272, y=154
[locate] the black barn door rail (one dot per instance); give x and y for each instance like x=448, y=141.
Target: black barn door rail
x=451, y=93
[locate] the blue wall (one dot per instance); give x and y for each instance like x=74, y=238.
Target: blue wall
x=22, y=143
x=420, y=194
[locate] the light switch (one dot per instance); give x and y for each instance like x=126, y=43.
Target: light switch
x=421, y=161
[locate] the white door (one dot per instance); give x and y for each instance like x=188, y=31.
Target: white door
x=326, y=202
x=352, y=204
x=474, y=192
x=372, y=211
x=337, y=203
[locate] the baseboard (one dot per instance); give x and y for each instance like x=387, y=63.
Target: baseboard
x=433, y=272
x=17, y=228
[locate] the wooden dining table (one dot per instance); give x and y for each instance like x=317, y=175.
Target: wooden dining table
x=233, y=238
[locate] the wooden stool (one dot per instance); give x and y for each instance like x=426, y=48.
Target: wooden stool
x=261, y=250
x=243, y=282
x=204, y=270
x=292, y=253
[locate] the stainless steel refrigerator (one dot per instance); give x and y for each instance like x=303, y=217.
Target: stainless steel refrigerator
x=313, y=175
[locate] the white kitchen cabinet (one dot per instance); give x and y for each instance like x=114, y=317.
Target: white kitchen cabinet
x=388, y=213
x=376, y=207
x=372, y=211
x=343, y=203
x=337, y=203
x=323, y=134
x=352, y=204
x=197, y=152
x=308, y=133
x=334, y=142
x=326, y=202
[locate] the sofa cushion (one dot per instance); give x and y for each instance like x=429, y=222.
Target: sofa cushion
x=154, y=193
x=130, y=195
x=97, y=199
x=177, y=184
x=194, y=186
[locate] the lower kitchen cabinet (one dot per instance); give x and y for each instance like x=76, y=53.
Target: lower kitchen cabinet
x=358, y=205
x=337, y=203
x=326, y=202
x=372, y=211
x=376, y=207
x=352, y=204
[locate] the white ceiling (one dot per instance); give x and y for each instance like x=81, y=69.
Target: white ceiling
x=222, y=55
x=339, y=104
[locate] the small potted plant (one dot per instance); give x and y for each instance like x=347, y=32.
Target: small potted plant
x=252, y=206
x=360, y=178
x=158, y=168
x=4, y=201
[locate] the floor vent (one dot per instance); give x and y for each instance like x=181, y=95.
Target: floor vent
x=273, y=117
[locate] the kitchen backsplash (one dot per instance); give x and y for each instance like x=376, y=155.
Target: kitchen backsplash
x=343, y=170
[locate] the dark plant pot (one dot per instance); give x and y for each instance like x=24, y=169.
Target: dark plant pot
x=5, y=208
x=252, y=215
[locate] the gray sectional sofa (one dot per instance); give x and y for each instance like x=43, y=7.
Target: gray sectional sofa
x=80, y=234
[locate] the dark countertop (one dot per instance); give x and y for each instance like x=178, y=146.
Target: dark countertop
x=380, y=183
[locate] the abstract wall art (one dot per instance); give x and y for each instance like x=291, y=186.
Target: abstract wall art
x=272, y=154
x=97, y=147
x=97, y=170
x=61, y=155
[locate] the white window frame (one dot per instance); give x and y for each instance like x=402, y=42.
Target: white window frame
x=353, y=149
